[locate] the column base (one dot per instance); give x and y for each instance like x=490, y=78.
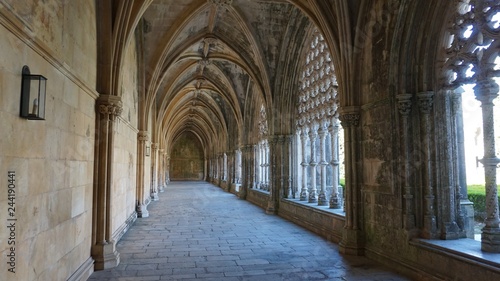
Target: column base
x=468, y=211
x=322, y=201
x=352, y=243
x=490, y=240
x=154, y=196
x=105, y=256
x=271, y=208
x=142, y=211
x=303, y=196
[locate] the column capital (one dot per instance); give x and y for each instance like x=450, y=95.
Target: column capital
x=404, y=104
x=109, y=105
x=154, y=145
x=349, y=116
x=486, y=91
x=142, y=136
x=426, y=101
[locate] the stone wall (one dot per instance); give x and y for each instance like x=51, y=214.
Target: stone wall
x=52, y=159
x=125, y=150
x=187, y=162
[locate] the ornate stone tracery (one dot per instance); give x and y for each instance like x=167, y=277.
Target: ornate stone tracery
x=317, y=125
x=471, y=58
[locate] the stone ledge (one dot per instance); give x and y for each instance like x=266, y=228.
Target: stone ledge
x=315, y=206
x=467, y=250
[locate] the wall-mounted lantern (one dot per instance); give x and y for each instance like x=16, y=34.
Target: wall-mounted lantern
x=148, y=150
x=33, y=95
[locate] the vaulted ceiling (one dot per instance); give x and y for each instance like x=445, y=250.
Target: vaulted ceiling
x=208, y=64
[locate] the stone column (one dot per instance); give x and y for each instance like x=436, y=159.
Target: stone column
x=404, y=106
x=245, y=171
x=103, y=249
x=287, y=166
x=273, y=155
x=322, y=200
x=266, y=165
x=161, y=170
x=154, y=172
x=425, y=103
x=486, y=91
x=335, y=200
x=352, y=242
x=255, y=166
x=304, y=190
x=141, y=204
x=168, y=169
x=313, y=135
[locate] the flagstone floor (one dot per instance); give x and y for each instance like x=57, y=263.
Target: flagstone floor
x=196, y=231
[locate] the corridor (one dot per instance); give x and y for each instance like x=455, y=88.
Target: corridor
x=196, y=231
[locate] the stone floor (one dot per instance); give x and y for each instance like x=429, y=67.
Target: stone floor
x=196, y=231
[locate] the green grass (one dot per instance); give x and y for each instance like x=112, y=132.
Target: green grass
x=476, y=189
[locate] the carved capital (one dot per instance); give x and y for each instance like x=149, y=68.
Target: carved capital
x=486, y=91
x=349, y=119
x=425, y=101
x=404, y=104
x=109, y=105
x=154, y=145
x=142, y=136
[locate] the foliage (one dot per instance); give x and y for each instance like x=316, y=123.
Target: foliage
x=477, y=195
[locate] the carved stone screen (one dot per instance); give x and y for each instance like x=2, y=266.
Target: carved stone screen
x=187, y=158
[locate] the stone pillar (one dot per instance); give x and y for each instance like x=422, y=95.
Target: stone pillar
x=246, y=171
x=273, y=152
x=425, y=103
x=313, y=135
x=154, y=172
x=404, y=106
x=267, y=157
x=287, y=166
x=161, y=170
x=256, y=166
x=352, y=242
x=103, y=249
x=486, y=91
x=322, y=200
x=141, y=204
x=168, y=169
x=335, y=199
x=304, y=190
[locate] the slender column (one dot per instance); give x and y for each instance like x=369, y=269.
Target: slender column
x=262, y=165
x=141, y=204
x=304, y=190
x=335, y=200
x=273, y=153
x=103, y=249
x=266, y=168
x=287, y=166
x=322, y=200
x=404, y=106
x=313, y=135
x=486, y=91
x=154, y=171
x=167, y=169
x=256, y=166
x=161, y=170
x=425, y=103
x=352, y=237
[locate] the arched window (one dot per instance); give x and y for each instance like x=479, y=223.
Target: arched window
x=471, y=71
x=317, y=129
x=262, y=153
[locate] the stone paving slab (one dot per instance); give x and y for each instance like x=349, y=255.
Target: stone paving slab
x=196, y=231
